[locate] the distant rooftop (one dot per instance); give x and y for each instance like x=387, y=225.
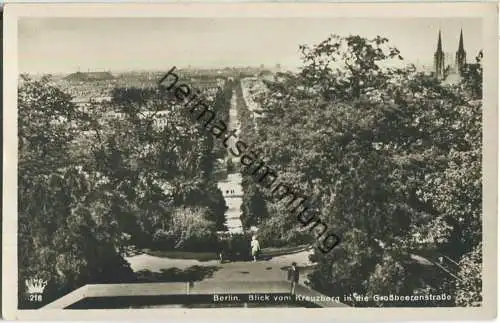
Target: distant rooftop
x=89, y=76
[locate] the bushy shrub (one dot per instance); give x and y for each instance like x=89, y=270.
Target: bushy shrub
x=230, y=166
x=236, y=246
x=188, y=231
x=272, y=235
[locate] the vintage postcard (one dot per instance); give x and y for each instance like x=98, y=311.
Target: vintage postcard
x=249, y=161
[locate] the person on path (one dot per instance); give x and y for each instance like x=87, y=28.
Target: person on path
x=222, y=243
x=255, y=246
x=293, y=277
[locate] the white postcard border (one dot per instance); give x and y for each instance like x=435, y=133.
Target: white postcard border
x=487, y=11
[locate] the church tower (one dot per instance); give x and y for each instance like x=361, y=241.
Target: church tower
x=460, y=58
x=439, y=59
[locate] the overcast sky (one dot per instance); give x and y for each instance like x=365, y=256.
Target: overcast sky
x=57, y=45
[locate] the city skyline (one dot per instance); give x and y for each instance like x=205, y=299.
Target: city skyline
x=62, y=45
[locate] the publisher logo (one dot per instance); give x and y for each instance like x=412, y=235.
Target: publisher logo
x=34, y=289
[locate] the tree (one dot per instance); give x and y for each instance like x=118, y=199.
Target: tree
x=67, y=229
x=469, y=285
x=159, y=159
x=88, y=180
x=395, y=167
x=253, y=206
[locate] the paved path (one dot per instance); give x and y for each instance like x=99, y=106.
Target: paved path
x=261, y=277
x=234, y=124
x=233, y=201
x=156, y=264
x=235, y=278
x=249, y=271
x=263, y=270
x=231, y=187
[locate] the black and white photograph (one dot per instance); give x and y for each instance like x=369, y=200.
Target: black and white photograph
x=222, y=162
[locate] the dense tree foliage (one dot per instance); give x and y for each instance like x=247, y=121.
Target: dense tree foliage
x=253, y=207
x=163, y=160
x=134, y=170
x=68, y=232
x=469, y=284
x=391, y=161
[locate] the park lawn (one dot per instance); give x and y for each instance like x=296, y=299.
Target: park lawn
x=207, y=256
x=200, y=256
x=274, y=252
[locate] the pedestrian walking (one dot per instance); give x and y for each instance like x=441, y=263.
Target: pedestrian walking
x=221, y=252
x=223, y=248
x=293, y=277
x=255, y=246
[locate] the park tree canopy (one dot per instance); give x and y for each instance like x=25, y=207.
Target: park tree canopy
x=391, y=160
x=92, y=181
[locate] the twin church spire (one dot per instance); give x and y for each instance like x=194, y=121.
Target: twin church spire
x=440, y=70
x=460, y=57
